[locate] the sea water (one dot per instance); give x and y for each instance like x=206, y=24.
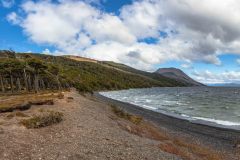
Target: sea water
x=220, y=105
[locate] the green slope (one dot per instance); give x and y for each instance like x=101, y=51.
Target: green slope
x=155, y=76
x=88, y=76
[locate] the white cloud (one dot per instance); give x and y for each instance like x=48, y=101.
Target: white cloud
x=109, y=27
x=196, y=30
x=143, y=18
x=7, y=3
x=46, y=51
x=14, y=18
x=238, y=61
x=211, y=78
x=187, y=66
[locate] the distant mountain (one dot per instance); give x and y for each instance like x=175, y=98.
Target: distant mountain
x=178, y=75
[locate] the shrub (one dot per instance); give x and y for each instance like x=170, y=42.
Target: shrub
x=44, y=120
x=122, y=114
x=83, y=88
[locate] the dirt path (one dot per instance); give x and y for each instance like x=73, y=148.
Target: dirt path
x=88, y=131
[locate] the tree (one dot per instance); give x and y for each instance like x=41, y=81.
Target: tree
x=55, y=71
x=12, y=67
x=39, y=67
x=2, y=74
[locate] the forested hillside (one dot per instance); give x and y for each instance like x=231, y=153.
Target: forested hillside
x=24, y=72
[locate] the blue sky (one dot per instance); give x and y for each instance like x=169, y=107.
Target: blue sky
x=146, y=34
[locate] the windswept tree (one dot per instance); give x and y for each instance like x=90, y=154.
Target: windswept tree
x=29, y=72
x=54, y=70
x=38, y=67
x=11, y=67
x=2, y=75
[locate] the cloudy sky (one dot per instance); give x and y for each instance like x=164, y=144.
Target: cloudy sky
x=201, y=37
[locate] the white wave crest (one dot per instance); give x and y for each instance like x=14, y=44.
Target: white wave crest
x=221, y=122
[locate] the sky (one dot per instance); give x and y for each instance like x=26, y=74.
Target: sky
x=201, y=37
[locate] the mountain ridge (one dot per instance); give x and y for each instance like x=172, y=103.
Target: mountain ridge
x=179, y=75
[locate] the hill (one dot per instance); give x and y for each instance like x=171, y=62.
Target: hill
x=21, y=72
x=178, y=75
x=151, y=75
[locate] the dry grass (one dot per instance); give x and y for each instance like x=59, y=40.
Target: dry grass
x=42, y=102
x=20, y=114
x=82, y=59
x=41, y=110
x=10, y=116
x=17, y=114
x=21, y=102
x=43, y=120
x=122, y=114
x=198, y=150
x=179, y=147
x=144, y=130
x=138, y=126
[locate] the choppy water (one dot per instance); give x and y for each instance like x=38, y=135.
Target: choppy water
x=220, y=105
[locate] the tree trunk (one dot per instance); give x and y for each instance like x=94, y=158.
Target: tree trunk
x=25, y=80
x=36, y=83
x=59, y=84
x=29, y=83
x=48, y=85
x=19, y=84
x=6, y=82
x=2, y=84
x=43, y=84
x=11, y=82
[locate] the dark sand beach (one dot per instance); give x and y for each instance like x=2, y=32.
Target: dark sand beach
x=222, y=138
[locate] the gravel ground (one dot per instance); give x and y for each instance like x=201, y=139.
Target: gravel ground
x=87, y=132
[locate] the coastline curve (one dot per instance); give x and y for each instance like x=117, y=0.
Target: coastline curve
x=230, y=134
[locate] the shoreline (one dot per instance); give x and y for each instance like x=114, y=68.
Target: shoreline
x=91, y=129
x=227, y=134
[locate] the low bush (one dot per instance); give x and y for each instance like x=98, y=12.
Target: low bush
x=43, y=120
x=122, y=114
